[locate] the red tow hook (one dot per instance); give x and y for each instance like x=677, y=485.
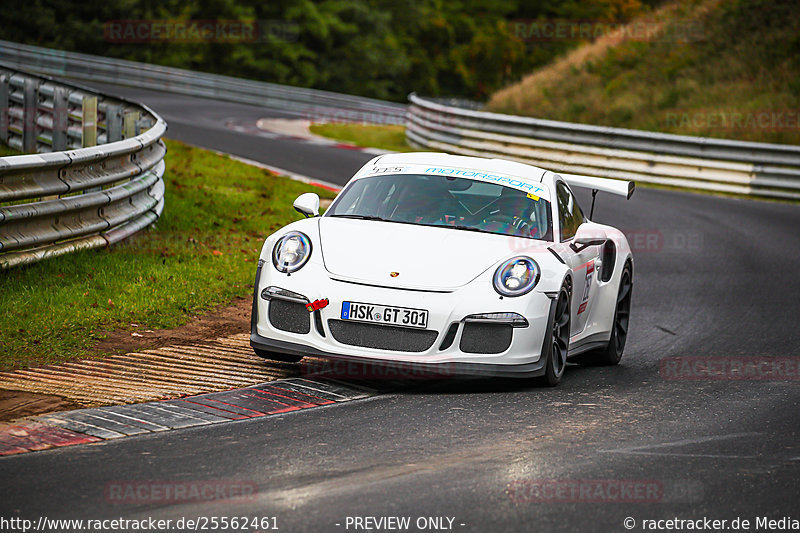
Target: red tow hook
x=316, y=305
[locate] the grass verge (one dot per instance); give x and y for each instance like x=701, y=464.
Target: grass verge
x=202, y=253
x=385, y=137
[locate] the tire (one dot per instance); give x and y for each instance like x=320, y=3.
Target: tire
x=612, y=353
x=559, y=344
x=282, y=357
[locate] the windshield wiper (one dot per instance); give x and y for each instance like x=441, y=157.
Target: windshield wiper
x=462, y=228
x=361, y=217
x=470, y=228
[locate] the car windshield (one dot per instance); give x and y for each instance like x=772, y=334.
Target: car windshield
x=460, y=203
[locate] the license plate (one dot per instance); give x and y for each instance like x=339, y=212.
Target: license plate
x=385, y=314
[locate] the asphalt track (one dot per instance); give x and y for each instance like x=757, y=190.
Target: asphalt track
x=719, y=278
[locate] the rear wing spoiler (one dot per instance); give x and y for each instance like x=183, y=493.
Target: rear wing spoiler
x=618, y=187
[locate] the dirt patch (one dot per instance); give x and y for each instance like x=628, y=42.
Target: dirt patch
x=220, y=322
x=17, y=404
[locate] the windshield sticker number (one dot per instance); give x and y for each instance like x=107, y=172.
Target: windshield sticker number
x=387, y=170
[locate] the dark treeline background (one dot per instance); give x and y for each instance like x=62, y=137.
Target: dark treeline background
x=378, y=48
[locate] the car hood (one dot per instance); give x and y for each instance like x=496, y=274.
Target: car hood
x=430, y=258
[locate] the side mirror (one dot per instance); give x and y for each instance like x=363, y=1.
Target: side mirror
x=307, y=204
x=589, y=235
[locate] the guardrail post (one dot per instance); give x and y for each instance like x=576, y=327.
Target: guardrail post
x=89, y=121
x=113, y=123
x=4, y=79
x=89, y=129
x=131, y=124
x=30, y=105
x=60, y=118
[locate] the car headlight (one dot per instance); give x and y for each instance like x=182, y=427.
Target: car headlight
x=291, y=252
x=516, y=276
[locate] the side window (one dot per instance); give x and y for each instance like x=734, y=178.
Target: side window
x=570, y=215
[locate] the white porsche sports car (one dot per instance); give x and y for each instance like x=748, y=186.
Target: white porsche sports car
x=456, y=265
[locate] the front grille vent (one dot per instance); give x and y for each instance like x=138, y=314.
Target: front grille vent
x=382, y=337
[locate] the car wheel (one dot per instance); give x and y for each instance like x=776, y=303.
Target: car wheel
x=282, y=357
x=559, y=343
x=612, y=353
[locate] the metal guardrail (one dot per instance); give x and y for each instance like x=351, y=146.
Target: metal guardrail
x=96, y=180
x=758, y=169
x=315, y=104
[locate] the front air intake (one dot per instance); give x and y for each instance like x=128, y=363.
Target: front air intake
x=289, y=316
x=479, y=337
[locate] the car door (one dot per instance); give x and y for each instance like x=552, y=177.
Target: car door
x=580, y=261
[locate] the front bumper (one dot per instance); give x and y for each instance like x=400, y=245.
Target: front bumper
x=444, y=357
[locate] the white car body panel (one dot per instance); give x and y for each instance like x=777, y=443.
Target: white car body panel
x=438, y=259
